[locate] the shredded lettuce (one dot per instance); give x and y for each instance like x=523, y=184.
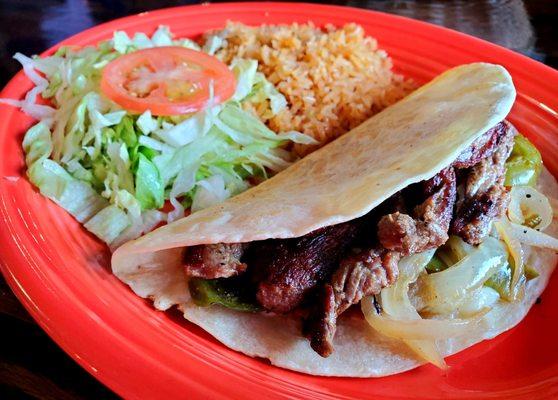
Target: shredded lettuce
x=264, y=89
x=245, y=73
x=209, y=192
x=54, y=182
x=113, y=170
x=108, y=223
x=150, y=191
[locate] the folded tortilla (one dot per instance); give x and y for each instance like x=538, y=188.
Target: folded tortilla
x=406, y=143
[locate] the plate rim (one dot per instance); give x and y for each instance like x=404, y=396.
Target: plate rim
x=124, y=23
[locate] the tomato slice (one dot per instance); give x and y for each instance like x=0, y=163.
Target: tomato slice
x=167, y=81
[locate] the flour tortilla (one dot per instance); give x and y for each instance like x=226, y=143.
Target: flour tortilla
x=409, y=142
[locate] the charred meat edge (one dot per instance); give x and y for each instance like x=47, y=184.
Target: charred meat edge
x=286, y=270
x=484, y=195
x=427, y=227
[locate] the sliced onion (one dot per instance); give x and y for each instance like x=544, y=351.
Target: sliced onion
x=418, y=329
x=398, y=308
x=396, y=328
x=526, y=201
x=532, y=237
x=484, y=298
x=443, y=291
x=428, y=351
x=395, y=299
x=516, y=251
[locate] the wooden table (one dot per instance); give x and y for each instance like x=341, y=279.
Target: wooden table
x=31, y=364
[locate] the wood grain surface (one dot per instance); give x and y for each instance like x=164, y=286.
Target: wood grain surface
x=31, y=364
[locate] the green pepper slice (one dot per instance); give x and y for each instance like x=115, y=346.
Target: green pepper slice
x=524, y=165
x=228, y=292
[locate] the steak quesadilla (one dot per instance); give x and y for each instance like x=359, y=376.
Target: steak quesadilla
x=427, y=215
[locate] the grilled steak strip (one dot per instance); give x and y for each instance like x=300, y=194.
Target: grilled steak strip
x=482, y=147
x=428, y=226
x=485, y=197
x=211, y=261
x=361, y=273
x=321, y=324
x=286, y=270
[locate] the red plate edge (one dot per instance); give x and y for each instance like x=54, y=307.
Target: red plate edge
x=139, y=383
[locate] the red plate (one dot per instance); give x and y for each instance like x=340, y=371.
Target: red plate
x=62, y=274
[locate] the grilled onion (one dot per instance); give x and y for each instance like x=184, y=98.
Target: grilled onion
x=419, y=329
x=400, y=317
x=529, y=207
x=480, y=300
x=517, y=262
x=532, y=237
x=444, y=291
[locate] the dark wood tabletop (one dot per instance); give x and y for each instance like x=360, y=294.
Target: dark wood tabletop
x=31, y=364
